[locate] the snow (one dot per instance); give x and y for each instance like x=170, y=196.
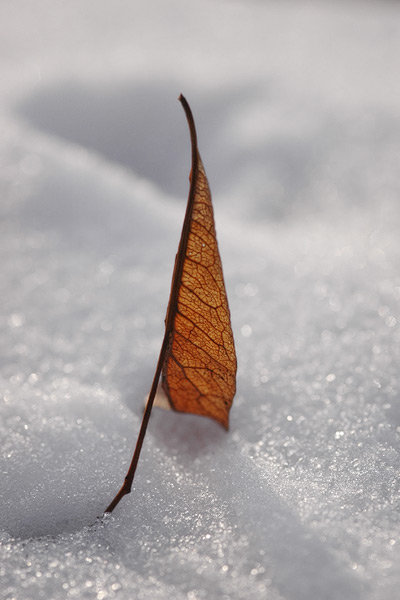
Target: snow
x=296, y=106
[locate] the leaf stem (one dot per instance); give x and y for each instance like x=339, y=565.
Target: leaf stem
x=127, y=484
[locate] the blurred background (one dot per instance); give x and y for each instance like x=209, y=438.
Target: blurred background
x=296, y=102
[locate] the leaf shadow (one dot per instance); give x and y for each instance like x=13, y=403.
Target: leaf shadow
x=185, y=434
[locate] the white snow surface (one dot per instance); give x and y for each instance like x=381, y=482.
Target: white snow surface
x=297, y=111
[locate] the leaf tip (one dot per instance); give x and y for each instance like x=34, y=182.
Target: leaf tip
x=222, y=420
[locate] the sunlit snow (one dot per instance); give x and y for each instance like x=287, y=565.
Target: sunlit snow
x=297, y=110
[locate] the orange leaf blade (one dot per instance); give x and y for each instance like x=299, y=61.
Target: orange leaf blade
x=199, y=371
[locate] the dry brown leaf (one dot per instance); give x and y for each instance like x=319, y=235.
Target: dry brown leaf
x=197, y=357
x=199, y=371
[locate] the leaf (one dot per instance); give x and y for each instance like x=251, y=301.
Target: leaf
x=197, y=357
x=199, y=371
